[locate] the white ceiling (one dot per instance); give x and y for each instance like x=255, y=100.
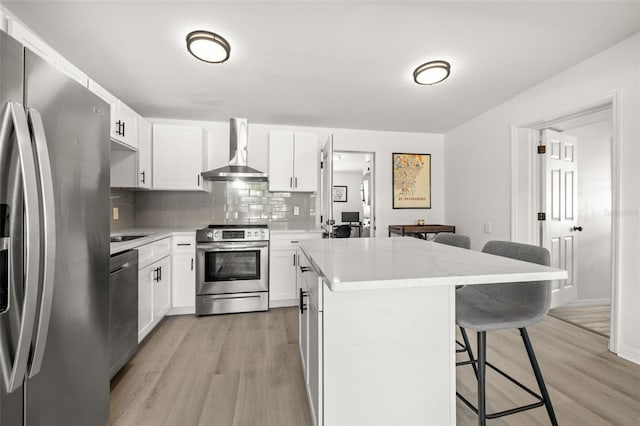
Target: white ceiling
x=327, y=63
x=349, y=161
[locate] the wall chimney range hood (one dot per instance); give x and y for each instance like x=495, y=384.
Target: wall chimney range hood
x=237, y=168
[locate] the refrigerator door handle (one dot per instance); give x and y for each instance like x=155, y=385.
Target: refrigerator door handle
x=49, y=234
x=14, y=122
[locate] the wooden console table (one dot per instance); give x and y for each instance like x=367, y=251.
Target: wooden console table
x=417, y=230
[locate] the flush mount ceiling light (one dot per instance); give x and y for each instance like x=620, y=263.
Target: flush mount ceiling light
x=208, y=47
x=432, y=72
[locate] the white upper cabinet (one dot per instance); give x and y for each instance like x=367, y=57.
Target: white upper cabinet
x=179, y=156
x=30, y=40
x=144, y=154
x=293, y=162
x=124, y=120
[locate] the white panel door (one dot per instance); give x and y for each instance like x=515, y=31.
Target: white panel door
x=326, y=191
x=183, y=280
x=281, y=161
x=162, y=289
x=282, y=275
x=559, y=232
x=305, y=162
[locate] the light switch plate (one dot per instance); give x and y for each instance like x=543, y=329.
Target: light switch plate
x=115, y=213
x=487, y=228
x=296, y=210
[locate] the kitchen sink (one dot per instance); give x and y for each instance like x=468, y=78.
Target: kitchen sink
x=122, y=238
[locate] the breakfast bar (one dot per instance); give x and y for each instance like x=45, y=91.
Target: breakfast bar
x=377, y=325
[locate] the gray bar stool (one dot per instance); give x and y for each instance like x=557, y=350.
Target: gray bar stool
x=489, y=307
x=461, y=241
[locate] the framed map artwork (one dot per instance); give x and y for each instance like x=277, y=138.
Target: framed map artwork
x=411, y=181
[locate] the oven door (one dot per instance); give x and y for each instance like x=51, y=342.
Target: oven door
x=232, y=267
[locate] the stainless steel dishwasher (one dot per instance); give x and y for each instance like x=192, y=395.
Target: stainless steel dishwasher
x=123, y=309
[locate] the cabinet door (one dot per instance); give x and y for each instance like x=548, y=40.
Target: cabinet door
x=145, y=300
x=305, y=162
x=129, y=128
x=303, y=321
x=314, y=363
x=183, y=281
x=177, y=157
x=113, y=108
x=281, y=161
x=162, y=289
x=144, y=154
x=282, y=276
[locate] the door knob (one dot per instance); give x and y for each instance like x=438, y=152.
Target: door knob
x=577, y=228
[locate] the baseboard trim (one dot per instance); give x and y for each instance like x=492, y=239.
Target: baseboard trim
x=587, y=302
x=630, y=354
x=182, y=310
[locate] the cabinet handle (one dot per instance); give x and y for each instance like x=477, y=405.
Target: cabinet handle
x=184, y=244
x=159, y=273
x=198, y=180
x=155, y=275
x=192, y=263
x=144, y=177
x=291, y=182
x=123, y=123
x=303, y=294
x=294, y=260
x=304, y=269
x=119, y=127
x=296, y=182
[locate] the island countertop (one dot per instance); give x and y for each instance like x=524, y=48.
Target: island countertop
x=352, y=264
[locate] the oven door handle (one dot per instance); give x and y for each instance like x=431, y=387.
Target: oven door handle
x=231, y=247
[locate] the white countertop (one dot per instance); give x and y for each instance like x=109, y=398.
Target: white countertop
x=350, y=264
x=150, y=235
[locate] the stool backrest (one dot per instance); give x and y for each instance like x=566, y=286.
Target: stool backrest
x=534, y=295
x=342, y=231
x=457, y=240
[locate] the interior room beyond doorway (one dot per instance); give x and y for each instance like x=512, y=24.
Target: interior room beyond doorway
x=353, y=193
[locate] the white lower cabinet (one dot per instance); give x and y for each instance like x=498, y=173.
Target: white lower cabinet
x=154, y=284
x=283, y=290
x=183, y=280
x=310, y=333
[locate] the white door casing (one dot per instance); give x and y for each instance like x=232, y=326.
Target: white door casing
x=558, y=200
x=326, y=191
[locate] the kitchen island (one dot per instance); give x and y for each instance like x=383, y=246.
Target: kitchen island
x=377, y=325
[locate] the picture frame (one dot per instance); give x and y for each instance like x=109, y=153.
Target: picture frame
x=339, y=193
x=411, y=184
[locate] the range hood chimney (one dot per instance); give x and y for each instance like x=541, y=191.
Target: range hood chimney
x=237, y=168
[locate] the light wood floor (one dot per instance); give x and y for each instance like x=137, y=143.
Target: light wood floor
x=596, y=318
x=244, y=369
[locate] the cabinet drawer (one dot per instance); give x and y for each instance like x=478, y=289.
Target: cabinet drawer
x=152, y=252
x=183, y=244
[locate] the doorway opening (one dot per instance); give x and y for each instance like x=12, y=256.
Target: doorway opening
x=353, y=194
x=564, y=193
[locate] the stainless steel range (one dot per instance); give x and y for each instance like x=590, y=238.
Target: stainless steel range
x=232, y=269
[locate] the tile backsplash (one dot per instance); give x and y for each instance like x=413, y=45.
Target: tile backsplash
x=125, y=202
x=228, y=202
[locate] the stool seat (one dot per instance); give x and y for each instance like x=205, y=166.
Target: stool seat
x=482, y=312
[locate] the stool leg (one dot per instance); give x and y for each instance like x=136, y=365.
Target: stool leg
x=538, y=374
x=482, y=359
x=467, y=346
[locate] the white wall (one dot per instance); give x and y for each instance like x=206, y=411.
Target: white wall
x=478, y=175
x=353, y=181
x=383, y=144
x=594, y=210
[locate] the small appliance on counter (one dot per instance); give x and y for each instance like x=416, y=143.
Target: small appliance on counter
x=232, y=269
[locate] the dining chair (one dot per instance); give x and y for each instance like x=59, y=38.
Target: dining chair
x=489, y=307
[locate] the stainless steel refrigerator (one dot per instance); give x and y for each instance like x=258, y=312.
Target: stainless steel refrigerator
x=54, y=248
